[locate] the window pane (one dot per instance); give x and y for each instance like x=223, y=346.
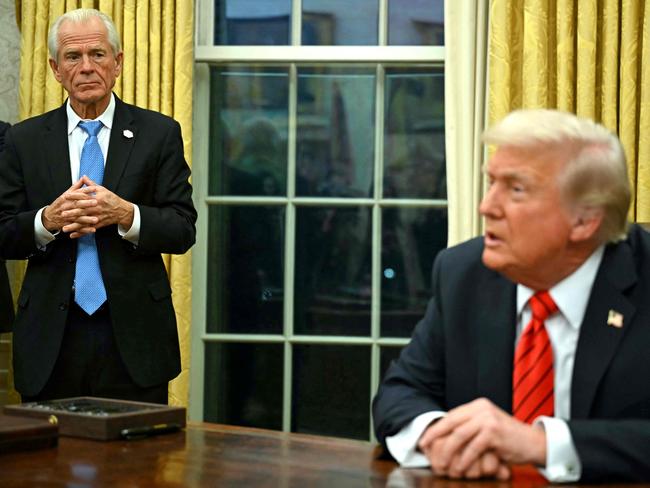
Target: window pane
x=386, y=356
x=245, y=269
x=331, y=390
x=335, y=132
x=252, y=22
x=243, y=384
x=334, y=22
x=416, y=22
x=248, y=131
x=414, y=150
x=411, y=238
x=332, y=287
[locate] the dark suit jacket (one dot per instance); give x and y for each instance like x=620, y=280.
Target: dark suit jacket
x=463, y=348
x=6, y=302
x=147, y=169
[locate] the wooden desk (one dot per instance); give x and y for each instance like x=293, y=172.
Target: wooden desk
x=223, y=456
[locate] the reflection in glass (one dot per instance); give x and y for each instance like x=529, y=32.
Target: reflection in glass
x=335, y=23
x=411, y=239
x=245, y=269
x=243, y=384
x=414, y=145
x=332, y=277
x=386, y=356
x=248, y=131
x=335, y=149
x=331, y=390
x=252, y=22
x=416, y=22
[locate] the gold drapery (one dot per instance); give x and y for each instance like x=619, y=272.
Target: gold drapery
x=157, y=39
x=590, y=57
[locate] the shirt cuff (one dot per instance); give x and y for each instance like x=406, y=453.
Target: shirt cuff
x=403, y=445
x=133, y=234
x=42, y=236
x=562, y=460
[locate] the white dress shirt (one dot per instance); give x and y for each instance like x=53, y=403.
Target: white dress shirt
x=76, y=139
x=571, y=296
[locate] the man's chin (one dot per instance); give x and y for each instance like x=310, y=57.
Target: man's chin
x=492, y=260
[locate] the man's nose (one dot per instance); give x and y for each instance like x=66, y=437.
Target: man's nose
x=489, y=204
x=86, y=63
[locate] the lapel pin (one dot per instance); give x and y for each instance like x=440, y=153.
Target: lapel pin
x=127, y=133
x=615, y=319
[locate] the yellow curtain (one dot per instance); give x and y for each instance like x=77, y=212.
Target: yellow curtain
x=157, y=39
x=590, y=57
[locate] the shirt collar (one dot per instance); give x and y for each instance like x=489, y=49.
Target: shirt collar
x=572, y=293
x=106, y=118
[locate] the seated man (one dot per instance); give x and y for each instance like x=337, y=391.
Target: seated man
x=535, y=346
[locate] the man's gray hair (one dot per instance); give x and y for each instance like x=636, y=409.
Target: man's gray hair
x=595, y=169
x=81, y=15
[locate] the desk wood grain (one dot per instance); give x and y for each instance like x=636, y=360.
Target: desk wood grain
x=223, y=456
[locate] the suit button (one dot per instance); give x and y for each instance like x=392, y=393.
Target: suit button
x=63, y=306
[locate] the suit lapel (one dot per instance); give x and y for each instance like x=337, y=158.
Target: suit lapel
x=496, y=338
x=598, y=340
x=56, y=151
x=120, y=146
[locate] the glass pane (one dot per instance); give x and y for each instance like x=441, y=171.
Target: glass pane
x=335, y=132
x=245, y=269
x=331, y=390
x=248, y=131
x=386, y=356
x=416, y=22
x=411, y=239
x=252, y=22
x=335, y=23
x=414, y=146
x=243, y=384
x=332, y=287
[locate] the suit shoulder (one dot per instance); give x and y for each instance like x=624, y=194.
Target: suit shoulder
x=150, y=116
x=34, y=123
x=466, y=254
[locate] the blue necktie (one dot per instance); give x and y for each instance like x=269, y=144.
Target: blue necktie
x=89, y=291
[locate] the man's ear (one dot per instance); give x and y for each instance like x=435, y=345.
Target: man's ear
x=586, y=224
x=55, y=69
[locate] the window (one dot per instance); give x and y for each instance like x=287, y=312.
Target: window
x=319, y=172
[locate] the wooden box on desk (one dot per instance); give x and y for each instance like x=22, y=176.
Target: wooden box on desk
x=19, y=433
x=100, y=418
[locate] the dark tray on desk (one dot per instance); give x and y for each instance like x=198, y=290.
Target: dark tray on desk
x=20, y=433
x=100, y=418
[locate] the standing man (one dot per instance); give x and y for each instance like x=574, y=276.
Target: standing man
x=535, y=345
x=6, y=302
x=92, y=193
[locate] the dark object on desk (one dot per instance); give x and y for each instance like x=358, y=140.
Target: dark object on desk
x=101, y=418
x=19, y=434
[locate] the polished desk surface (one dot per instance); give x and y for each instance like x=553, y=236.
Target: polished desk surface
x=219, y=455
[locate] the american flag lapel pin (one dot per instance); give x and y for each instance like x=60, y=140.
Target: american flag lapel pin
x=615, y=319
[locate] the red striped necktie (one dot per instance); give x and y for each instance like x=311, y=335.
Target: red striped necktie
x=532, y=379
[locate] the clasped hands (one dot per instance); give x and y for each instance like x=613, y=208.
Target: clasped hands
x=479, y=440
x=85, y=207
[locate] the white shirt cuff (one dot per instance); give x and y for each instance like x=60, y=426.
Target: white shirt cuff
x=133, y=234
x=403, y=445
x=42, y=236
x=562, y=460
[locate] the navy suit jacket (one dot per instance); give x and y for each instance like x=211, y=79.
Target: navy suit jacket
x=463, y=348
x=6, y=301
x=147, y=169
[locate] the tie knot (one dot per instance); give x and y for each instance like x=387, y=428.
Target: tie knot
x=91, y=127
x=542, y=305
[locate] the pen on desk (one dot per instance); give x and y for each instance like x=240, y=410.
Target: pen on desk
x=148, y=430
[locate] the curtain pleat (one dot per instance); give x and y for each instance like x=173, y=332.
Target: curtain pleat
x=589, y=57
x=157, y=40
